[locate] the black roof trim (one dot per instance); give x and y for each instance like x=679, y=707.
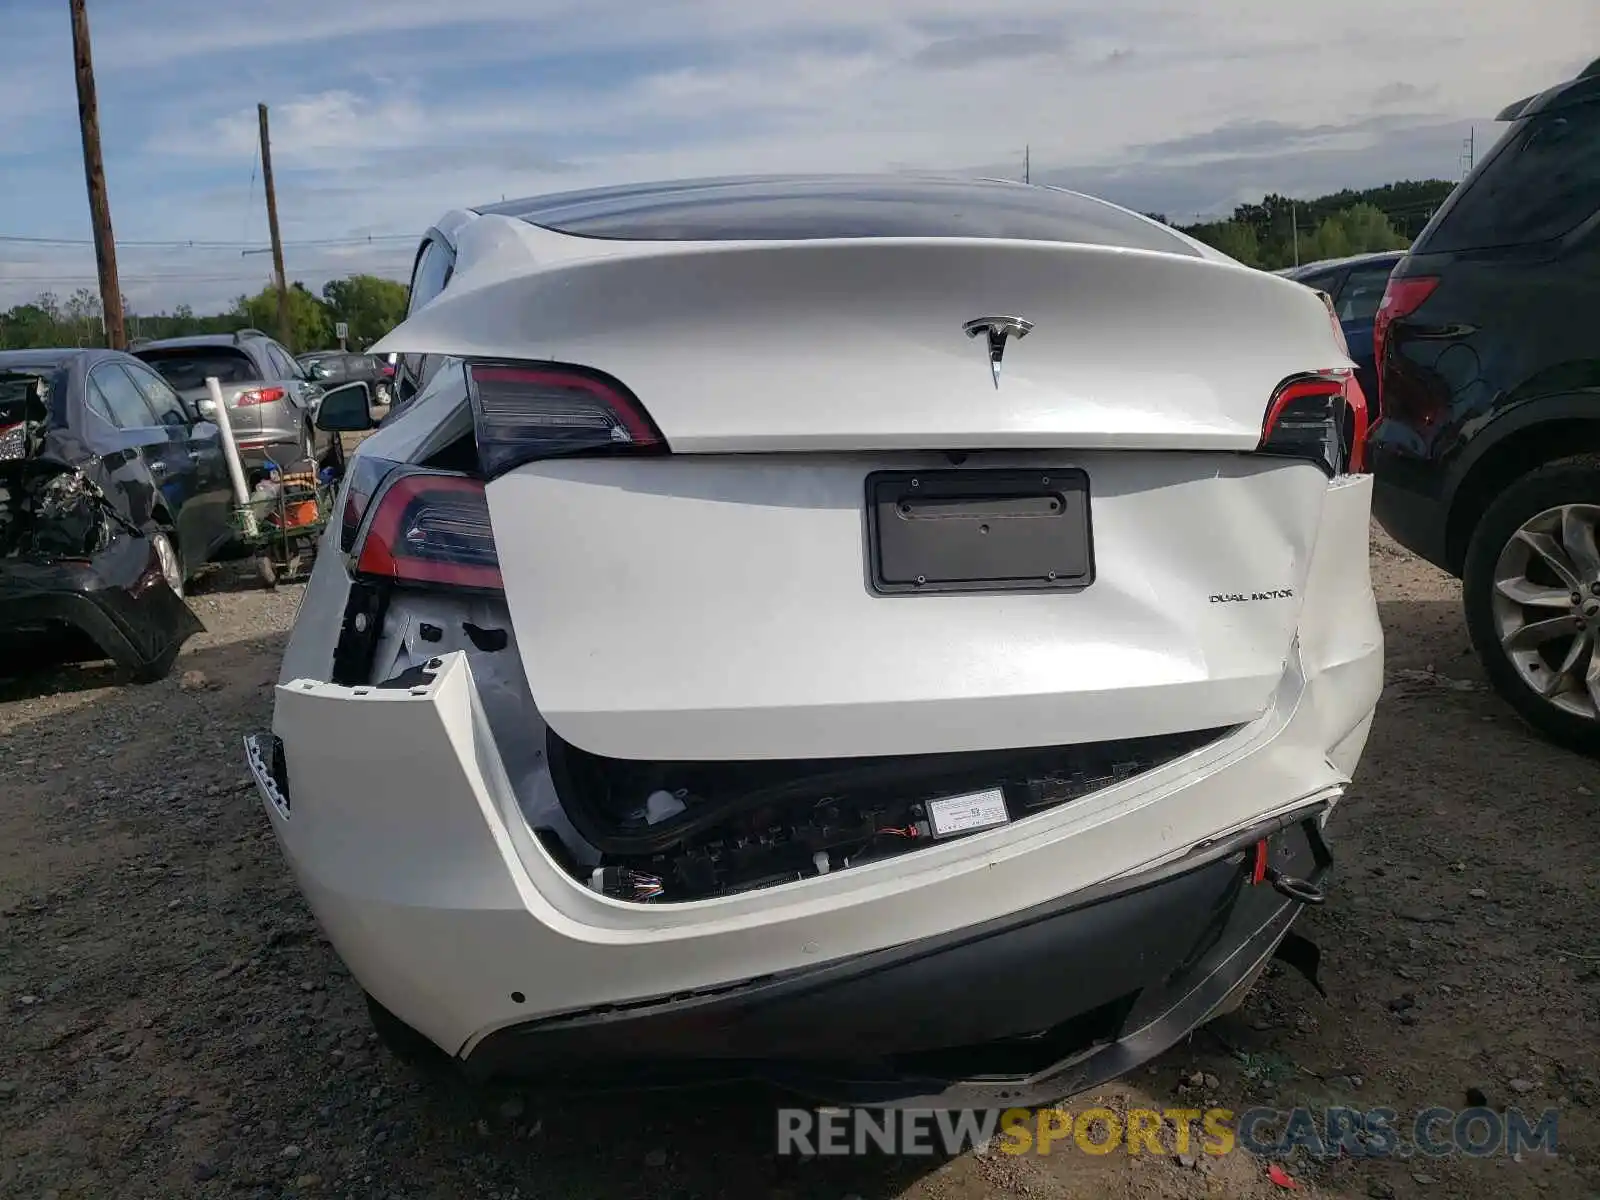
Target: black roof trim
x=1581, y=88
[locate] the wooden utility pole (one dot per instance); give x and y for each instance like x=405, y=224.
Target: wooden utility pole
x=284, y=332
x=105, y=246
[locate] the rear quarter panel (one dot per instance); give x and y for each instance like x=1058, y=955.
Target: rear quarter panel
x=1507, y=339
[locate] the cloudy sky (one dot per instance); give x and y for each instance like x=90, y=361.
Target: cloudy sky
x=385, y=113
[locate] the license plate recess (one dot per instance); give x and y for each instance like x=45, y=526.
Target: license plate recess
x=979, y=531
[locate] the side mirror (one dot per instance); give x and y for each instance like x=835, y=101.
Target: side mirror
x=206, y=407
x=345, y=409
x=318, y=371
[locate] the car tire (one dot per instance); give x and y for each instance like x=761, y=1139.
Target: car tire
x=1571, y=485
x=400, y=1040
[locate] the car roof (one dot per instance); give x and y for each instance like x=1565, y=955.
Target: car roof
x=800, y=207
x=199, y=339
x=1329, y=264
x=54, y=358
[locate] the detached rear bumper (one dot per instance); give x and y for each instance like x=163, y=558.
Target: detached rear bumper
x=119, y=601
x=1023, y=1011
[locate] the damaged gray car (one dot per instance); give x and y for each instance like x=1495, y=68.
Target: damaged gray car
x=112, y=492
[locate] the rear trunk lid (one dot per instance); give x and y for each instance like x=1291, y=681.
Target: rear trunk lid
x=859, y=345
x=734, y=600
x=245, y=419
x=186, y=369
x=721, y=607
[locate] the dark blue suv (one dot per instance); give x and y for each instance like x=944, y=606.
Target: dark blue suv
x=1486, y=453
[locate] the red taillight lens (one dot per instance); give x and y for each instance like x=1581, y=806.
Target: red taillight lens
x=258, y=396
x=430, y=528
x=362, y=478
x=1321, y=418
x=523, y=412
x=1401, y=298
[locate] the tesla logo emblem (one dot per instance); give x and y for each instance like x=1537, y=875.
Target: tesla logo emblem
x=996, y=330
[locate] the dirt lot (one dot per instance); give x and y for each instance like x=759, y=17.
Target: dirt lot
x=172, y=1023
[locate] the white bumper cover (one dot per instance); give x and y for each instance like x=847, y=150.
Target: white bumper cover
x=409, y=844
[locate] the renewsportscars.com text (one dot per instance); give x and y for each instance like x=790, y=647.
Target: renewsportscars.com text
x=1266, y=1132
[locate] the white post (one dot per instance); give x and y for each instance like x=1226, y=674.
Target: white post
x=241, y=492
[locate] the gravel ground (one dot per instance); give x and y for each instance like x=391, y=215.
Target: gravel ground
x=173, y=1024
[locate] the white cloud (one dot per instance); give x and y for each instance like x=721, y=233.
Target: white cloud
x=384, y=114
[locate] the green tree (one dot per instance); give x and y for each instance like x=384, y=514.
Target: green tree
x=1368, y=229
x=28, y=325
x=369, y=305
x=309, y=326
x=1331, y=240
x=1237, y=239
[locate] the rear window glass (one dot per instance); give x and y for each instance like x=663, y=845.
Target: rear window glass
x=186, y=368
x=800, y=208
x=1363, y=292
x=1541, y=182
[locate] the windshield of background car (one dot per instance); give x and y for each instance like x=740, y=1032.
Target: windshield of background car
x=187, y=367
x=1541, y=182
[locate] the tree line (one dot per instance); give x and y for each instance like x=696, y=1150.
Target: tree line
x=370, y=306
x=1280, y=231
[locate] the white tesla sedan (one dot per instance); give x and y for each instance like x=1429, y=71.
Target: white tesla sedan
x=901, y=638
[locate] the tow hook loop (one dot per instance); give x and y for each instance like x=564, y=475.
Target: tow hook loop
x=1302, y=954
x=1295, y=889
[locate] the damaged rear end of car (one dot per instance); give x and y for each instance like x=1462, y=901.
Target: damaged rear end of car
x=915, y=669
x=78, y=577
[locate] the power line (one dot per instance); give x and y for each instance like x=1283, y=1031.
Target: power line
x=58, y=280
x=370, y=239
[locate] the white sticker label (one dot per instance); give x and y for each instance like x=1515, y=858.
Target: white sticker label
x=962, y=814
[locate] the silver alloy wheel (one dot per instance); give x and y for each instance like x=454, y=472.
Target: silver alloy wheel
x=167, y=558
x=1546, y=606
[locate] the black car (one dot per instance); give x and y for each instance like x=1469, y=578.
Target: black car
x=1486, y=454
x=112, y=491
x=333, y=367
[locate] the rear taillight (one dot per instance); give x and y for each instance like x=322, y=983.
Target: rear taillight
x=257, y=396
x=523, y=412
x=362, y=479
x=1401, y=298
x=429, y=528
x=1321, y=418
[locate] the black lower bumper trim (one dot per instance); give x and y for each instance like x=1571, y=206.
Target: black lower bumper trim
x=118, y=602
x=1023, y=1011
